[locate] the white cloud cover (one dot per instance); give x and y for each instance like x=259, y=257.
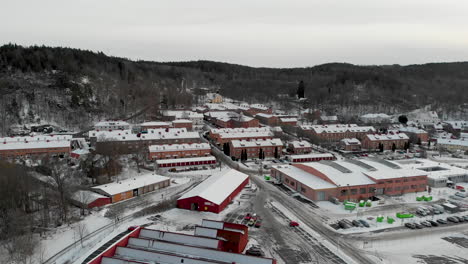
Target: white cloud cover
x=289, y=33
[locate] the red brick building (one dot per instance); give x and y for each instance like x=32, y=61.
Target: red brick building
x=299, y=147
x=337, y=132
x=11, y=147
x=183, y=123
x=373, y=141
x=349, y=180
x=350, y=144
x=254, y=109
x=215, y=193
x=418, y=133
x=174, y=151
x=288, y=121
x=270, y=147
x=226, y=135
x=154, y=125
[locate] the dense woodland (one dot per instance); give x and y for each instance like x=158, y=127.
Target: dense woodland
x=72, y=86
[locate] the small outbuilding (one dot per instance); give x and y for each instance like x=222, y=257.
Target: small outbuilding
x=215, y=193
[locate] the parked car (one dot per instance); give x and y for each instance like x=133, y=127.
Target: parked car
x=421, y=212
x=441, y=221
x=426, y=224
x=356, y=223
x=254, y=251
x=433, y=223
x=251, y=222
x=293, y=223
x=418, y=226
x=466, y=218
x=258, y=224
x=247, y=216
x=460, y=218
x=364, y=223
x=452, y=219
x=410, y=225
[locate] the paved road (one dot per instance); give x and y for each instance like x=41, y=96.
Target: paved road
x=301, y=212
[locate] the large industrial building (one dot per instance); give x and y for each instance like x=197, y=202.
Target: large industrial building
x=214, y=242
x=438, y=174
x=350, y=179
x=226, y=135
x=215, y=193
x=174, y=151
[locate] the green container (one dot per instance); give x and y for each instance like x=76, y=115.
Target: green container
x=368, y=203
x=362, y=203
x=267, y=177
x=390, y=220
x=428, y=198
x=404, y=215
x=419, y=198
x=380, y=219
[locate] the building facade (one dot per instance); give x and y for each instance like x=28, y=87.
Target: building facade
x=389, y=141
x=174, y=151
x=337, y=132
x=253, y=148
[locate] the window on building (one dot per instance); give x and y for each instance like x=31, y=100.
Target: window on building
x=405, y=187
x=389, y=181
x=398, y=188
x=292, y=183
x=286, y=180
x=389, y=189
x=362, y=191
x=353, y=191
x=303, y=190
x=397, y=181
x=422, y=185
x=344, y=192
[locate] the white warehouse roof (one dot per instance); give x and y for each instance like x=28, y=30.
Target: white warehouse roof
x=130, y=184
x=217, y=187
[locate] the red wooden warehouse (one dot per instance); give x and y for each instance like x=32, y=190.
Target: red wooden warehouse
x=215, y=193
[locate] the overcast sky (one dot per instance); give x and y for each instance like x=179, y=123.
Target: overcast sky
x=289, y=33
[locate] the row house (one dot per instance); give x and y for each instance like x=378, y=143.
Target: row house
x=126, y=142
x=350, y=144
x=270, y=147
x=221, y=136
x=254, y=109
x=11, y=147
x=299, y=147
x=373, y=141
x=276, y=120
x=337, y=132
x=174, y=151
x=418, y=133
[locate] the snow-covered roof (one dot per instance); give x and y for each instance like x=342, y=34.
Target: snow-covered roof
x=433, y=169
x=153, y=134
x=178, y=114
x=288, y=119
x=239, y=130
x=452, y=142
x=385, y=172
x=183, y=121
x=351, y=141
x=217, y=187
x=411, y=129
x=329, y=118
x=222, y=114
x=311, y=156
x=174, y=147
x=246, y=134
x=388, y=136
x=130, y=184
x=380, y=115
x=112, y=124
x=304, y=177
x=353, y=176
x=257, y=143
x=259, y=106
x=337, y=128
x=155, y=123
x=300, y=144
x=264, y=115
x=35, y=142
x=86, y=197
x=181, y=160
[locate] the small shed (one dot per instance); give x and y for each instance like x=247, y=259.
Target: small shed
x=89, y=199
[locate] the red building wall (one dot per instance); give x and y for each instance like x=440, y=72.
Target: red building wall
x=99, y=202
x=208, y=206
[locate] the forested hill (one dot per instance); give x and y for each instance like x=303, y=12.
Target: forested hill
x=71, y=86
